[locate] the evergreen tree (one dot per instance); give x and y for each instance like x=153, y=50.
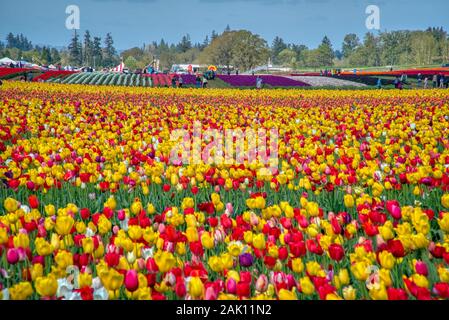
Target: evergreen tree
x=55, y=57
x=213, y=36
x=45, y=57
x=11, y=41
x=205, y=42
x=227, y=29
x=109, y=52
x=97, y=57
x=23, y=43
x=185, y=44
x=88, y=46
x=277, y=47
x=350, y=43
x=372, y=50
x=75, y=53
x=325, y=52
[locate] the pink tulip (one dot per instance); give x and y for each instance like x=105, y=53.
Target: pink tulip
x=41, y=231
x=12, y=256
x=421, y=268
x=394, y=209
x=141, y=263
x=229, y=208
x=170, y=279
x=131, y=280
x=231, y=286
x=254, y=220
x=262, y=283
x=115, y=229
x=290, y=281
x=121, y=215
x=211, y=294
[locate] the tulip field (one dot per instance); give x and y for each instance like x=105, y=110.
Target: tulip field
x=91, y=207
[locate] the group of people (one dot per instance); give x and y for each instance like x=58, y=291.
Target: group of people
x=177, y=81
x=438, y=81
x=15, y=65
x=200, y=81
x=330, y=73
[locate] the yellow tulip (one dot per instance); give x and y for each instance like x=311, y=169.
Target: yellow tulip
x=348, y=201
x=64, y=225
x=288, y=295
x=349, y=293
x=164, y=260
x=297, y=265
x=386, y=260
x=306, y=286
x=259, y=241
x=196, y=288
x=10, y=204
x=207, y=241
x=445, y=200
x=88, y=245
x=46, y=286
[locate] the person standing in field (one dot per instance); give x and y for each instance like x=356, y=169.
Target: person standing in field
x=198, y=81
x=379, y=83
x=204, y=82
x=426, y=82
x=180, y=81
x=434, y=81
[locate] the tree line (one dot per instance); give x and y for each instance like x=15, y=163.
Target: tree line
x=244, y=50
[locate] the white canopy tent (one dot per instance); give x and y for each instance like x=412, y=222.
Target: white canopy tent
x=7, y=60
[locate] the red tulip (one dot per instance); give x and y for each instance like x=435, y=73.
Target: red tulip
x=113, y=259
x=180, y=289
x=396, y=248
x=243, y=289
x=397, y=294
x=85, y=213
x=30, y=185
x=442, y=289
x=336, y=252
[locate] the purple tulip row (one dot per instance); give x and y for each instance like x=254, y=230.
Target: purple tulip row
x=250, y=81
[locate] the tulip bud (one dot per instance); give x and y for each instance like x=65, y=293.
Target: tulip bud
x=421, y=268
x=262, y=283
x=180, y=289
x=141, y=263
x=131, y=280
x=231, y=286
x=196, y=287
x=210, y=294
x=12, y=256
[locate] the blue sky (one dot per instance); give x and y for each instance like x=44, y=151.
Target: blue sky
x=134, y=22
